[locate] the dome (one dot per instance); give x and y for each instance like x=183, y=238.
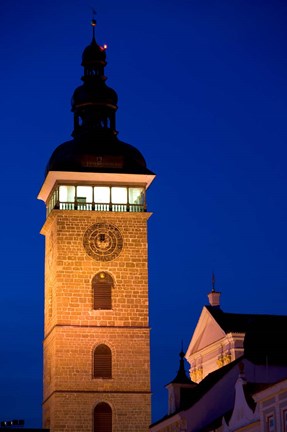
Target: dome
x=89, y=93
x=93, y=53
x=108, y=154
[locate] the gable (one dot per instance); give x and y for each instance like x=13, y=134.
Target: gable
x=207, y=331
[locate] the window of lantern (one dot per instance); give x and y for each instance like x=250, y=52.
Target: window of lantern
x=98, y=198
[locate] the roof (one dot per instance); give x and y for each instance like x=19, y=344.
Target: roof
x=262, y=346
x=263, y=334
x=181, y=377
x=240, y=323
x=101, y=153
x=250, y=388
x=197, y=392
x=209, y=381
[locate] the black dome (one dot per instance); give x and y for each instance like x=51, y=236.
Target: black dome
x=89, y=93
x=108, y=155
x=93, y=53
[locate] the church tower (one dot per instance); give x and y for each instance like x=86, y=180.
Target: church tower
x=97, y=335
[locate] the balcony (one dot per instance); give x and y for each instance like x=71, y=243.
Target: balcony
x=136, y=208
x=132, y=208
x=99, y=198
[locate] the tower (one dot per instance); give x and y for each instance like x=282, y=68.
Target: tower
x=96, y=335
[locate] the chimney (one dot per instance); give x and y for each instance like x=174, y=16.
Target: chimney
x=214, y=296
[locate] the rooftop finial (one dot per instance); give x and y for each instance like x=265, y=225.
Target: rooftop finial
x=213, y=282
x=93, y=22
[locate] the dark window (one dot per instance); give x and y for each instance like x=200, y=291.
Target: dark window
x=271, y=423
x=102, y=362
x=102, y=288
x=103, y=418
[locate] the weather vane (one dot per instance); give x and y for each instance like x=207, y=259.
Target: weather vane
x=213, y=282
x=93, y=12
x=93, y=22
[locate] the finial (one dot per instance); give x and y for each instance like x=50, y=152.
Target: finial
x=181, y=354
x=93, y=22
x=213, y=282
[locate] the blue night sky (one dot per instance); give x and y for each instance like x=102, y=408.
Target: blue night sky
x=202, y=94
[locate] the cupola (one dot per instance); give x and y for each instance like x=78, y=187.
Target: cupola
x=179, y=389
x=95, y=170
x=94, y=103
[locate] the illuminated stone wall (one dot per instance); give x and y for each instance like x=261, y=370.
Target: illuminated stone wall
x=73, y=328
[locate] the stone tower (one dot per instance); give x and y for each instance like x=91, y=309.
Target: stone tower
x=96, y=342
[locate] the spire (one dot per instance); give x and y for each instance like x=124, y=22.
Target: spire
x=94, y=103
x=95, y=147
x=213, y=282
x=214, y=296
x=94, y=57
x=93, y=24
x=181, y=377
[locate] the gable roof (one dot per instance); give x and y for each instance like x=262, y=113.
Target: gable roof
x=207, y=331
x=240, y=323
x=263, y=334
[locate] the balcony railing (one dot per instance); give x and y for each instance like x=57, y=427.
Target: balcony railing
x=133, y=208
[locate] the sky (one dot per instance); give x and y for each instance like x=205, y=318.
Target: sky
x=202, y=88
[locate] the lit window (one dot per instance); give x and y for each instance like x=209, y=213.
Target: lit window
x=102, y=288
x=85, y=193
x=102, y=362
x=67, y=194
x=119, y=195
x=97, y=198
x=103, y=418
x=136, y=196
x=102, y=194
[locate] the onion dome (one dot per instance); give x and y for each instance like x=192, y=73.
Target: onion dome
x=94, y=58
x=93, y=53
x=95, y=146
x=88, y=94
x=94, y=90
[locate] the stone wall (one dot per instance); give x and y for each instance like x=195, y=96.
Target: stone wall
x=73, y=328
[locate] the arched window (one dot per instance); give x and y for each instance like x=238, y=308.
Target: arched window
x=103, y=418
x=102, y=362
x=102, y=288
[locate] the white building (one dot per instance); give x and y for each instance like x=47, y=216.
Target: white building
x=238, y=375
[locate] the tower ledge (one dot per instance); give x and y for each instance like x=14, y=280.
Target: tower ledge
x=59, y=176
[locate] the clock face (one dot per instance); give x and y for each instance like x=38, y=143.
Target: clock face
x=103, y=242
